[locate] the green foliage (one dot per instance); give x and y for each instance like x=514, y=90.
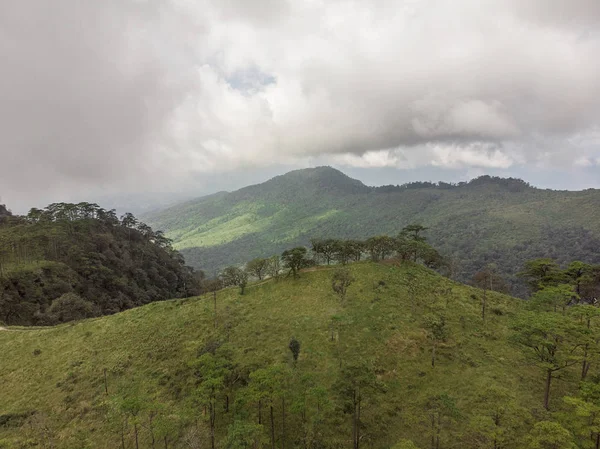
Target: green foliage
x=70, y=307
x=294, y=348
x=258, y=267
x=172, y=376
x=550, y=435
x=340, y=281
x=295, y=259
x=234, y=276
x=83, y=250
x=487, y=219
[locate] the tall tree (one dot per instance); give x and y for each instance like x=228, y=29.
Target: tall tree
x=235, y=276
x=356, y=384
x=340, y=281
x=258, y=267
x=295, y=259
x=552, y=341
x=437, y=332
x=539, y=273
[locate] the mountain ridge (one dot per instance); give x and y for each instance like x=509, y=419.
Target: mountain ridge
x=486, y=220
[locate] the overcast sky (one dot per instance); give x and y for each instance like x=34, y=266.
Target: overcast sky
x=112, y=96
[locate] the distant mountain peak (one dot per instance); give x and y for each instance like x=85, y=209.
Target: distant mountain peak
x=322, y=177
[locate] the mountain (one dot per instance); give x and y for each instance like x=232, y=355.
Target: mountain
x=72, y=261
x=97, y=383
x=487, y=220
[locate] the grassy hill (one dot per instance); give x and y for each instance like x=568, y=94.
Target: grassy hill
x=504, y=221
x=155, y=364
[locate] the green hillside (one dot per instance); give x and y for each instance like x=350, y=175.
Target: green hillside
x=166, y=368
x=504, y=221
x=72, y=261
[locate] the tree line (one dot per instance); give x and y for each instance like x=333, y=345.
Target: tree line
x=410, y=244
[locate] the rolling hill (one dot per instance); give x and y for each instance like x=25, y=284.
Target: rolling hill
x=487, y=220
x=156, y=373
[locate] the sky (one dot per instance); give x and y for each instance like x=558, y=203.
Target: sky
x=120, y=98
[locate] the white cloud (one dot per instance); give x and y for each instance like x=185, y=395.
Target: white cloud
x=170, y=88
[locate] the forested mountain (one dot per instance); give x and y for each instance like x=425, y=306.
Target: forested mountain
x=487, y=220
x=403, y=358
x=72, y=261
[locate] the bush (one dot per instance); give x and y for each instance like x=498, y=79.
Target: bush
x=70, y=307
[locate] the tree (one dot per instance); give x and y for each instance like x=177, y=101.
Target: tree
x=414, y=232
x=587, y=407
x=244, y=435
x=554, y=343
x=552, y=298
x=356, y=384
x=341, y=280
x=380, y=247
x=488, y=279
x=258, y=267
x=211, y=370
x=326, y=248
x=71, y=306
x=234, y=276
x=441, y=408
x=437, y=332
x=295, y=259
x=268, y=385
x=274, y=267
x=539, y=273
x=587, y=316
x=345, y=251
x=549, y=435
x=294, y=348
x=579, y=274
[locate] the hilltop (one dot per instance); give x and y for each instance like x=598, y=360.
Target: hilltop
x=487, y=220
x=54, y=379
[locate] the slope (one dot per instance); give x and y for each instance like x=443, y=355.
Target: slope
x=504, y=221
x=147, y=358
x=72, y=261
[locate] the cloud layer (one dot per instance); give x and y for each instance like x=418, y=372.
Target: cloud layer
x=128, y=93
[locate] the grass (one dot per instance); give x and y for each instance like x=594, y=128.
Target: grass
x=57, y=373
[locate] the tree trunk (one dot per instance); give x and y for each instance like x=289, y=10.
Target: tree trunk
x=227, y=403
x=354, y=420
x=432, y=430
x=283, y=423
x=433, y=355
x=585, y=364
x=358, y=426
x=483, y=304
x=272, y=428
x=547, y=391
x=135, y=431
x=105, y=383
x=166, y=445
x=598, y=440
x=215, y=300
x=212, y=424
x=438, y=430
x=259, y=412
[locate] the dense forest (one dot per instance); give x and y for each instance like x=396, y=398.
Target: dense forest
x=487, y=220
x=72, y=261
